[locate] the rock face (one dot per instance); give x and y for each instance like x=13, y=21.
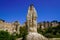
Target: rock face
x=32, y=25
x=35, y=36
x=10, y=27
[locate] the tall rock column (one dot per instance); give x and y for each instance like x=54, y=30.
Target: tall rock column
x=31, y=19
x=32, y=25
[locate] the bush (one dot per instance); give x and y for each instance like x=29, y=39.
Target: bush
x=4, y=35
x=23, y=33
x=51, y=32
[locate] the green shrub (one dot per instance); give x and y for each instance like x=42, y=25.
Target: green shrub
x=4, y=35
x=51, y=32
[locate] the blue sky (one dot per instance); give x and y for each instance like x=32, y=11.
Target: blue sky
x=12, y=10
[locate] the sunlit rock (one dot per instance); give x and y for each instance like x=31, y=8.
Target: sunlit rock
x=35, y=36
x=32, y=25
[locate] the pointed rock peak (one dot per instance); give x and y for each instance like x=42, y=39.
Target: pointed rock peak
x=31, y=6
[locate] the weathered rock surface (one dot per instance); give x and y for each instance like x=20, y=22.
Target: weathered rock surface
x=35, y=36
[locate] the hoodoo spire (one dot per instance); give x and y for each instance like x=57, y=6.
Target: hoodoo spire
x=32, y=25
x=31, y=19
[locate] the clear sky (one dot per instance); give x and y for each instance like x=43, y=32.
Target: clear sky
x=12, y=10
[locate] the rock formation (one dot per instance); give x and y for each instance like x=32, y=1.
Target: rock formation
x=32, y=25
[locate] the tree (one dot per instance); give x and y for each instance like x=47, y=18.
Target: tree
x=4, y=35
x=50, y=32
x=23, y=33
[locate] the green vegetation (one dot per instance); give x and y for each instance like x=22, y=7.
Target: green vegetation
x=51, y=32
x=4, y=35
x=23, y=33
